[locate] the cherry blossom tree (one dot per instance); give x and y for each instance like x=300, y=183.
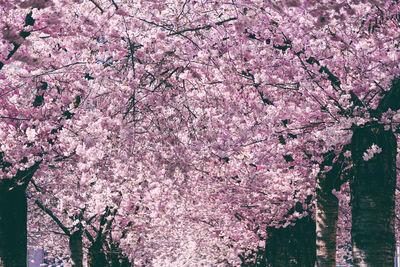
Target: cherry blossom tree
x=128, y=113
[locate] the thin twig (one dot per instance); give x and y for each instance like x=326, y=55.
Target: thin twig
x=51, y=214
x=206, y=27
x=97, y=5
x=115, y=5
x=12, y=118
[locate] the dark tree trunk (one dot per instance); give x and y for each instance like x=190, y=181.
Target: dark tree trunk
x=76, y=248
x=116, y=257
x=326, y=217
x=326, y=209
x=291, y=246
x=373, y=197
x=96, y=255
x=13, y=223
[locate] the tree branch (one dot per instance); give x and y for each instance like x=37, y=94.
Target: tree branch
x=206, y=27
x=97, y=5
x=51, y=214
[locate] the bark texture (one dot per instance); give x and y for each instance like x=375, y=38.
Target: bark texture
x=116, y=258
x=96, y=256
x=326, y=217
x=373, y=197
x=291, y=246
x=13, y=216
x=76, y=248
x=327, y=207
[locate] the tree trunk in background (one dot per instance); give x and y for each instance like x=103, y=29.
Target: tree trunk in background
x=96, y=255
x=76, y=248
x=116, y=258
x=13, y=223
x=326, y=217
x=291, y=246
x=326, y=209
x=373, y=197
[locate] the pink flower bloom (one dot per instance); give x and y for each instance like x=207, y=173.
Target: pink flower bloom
x=369, y=154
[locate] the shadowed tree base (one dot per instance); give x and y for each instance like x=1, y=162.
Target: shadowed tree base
x=373, y=197
x=76, y=248
x=327, y=208
x=291, y=246
x=13, y=216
